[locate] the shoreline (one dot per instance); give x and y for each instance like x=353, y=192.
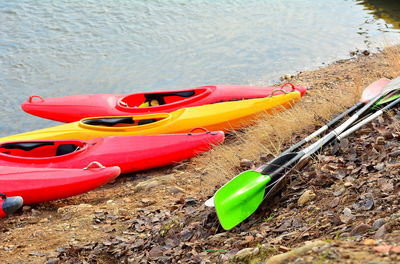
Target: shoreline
x=168, y=221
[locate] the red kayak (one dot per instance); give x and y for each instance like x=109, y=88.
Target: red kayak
x=9, y=205
x=75, y=108
x=36, y=185
x=130, y=153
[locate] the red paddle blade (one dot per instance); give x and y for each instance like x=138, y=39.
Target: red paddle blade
x=373, y=89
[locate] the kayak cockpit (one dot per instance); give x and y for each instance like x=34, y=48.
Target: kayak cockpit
x=41, y=149
x=124, y=122
x=163, y=99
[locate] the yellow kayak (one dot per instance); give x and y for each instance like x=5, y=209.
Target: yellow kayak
x=226, y=116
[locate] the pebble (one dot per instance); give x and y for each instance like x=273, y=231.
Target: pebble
x=347, y=215
x=147, y=202
x=380, y=233
x=360, y=230
x=244, y=253
x=308, y=195
x=339, y=192
x=26, y=208
x=52, y=261
x=146, y=185
x=156, y=252
x=246, y=163
x=335, y=202
x=369, y=242
x=348, y=184
x=175, y=190
x=380, y=140
x=378, y=223
x=266, y=157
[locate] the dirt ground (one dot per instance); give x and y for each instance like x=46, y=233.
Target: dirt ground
x=343, y=207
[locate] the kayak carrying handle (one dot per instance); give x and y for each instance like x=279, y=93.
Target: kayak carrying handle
x=290, y=84
x=35, y=96
x=198, y=128
x=94, y=163
x=123, y=103
x=3, y=196
x=278, y=90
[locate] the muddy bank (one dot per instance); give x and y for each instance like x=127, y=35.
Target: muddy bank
x=346, y=198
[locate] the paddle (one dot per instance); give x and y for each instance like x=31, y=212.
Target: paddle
x=369, y=92
x=240, y=197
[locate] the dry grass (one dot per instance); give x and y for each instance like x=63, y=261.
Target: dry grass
x=273, y=133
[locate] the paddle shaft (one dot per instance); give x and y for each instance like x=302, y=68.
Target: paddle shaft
x=368, y=119
x=324, y=128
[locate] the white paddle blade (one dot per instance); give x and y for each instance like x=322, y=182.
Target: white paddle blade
x=391, y=86
x=374, y=89
x=210, y=202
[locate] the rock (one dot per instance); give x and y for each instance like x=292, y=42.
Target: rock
x=36, y=254
x=386, y=185
x=295, y=253
x=35, y=212
x=378, y=223
x=308, y=195
x=347, y=215
x=380, y=140
x=339, y=192
x=348, y=184
x=167, y=179
x=287, y=77
x=156, y=252
x=246, y=163
x=266, y=157
x=360, y=230
x=244, y=253
x=380, y=233
x=335, y=202
x=26, y=208
x=146, y=185
x=248, y=238
x=175, y=190
x=181, y=166
x=52, y=261
x=365, y=203
x=369, y=242
x=366, y=52
x=380, y=166
x=147, y=202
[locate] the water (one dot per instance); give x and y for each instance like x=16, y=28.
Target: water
x=57, y=48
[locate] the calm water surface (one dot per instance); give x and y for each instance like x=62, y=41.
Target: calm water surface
x=57, y=48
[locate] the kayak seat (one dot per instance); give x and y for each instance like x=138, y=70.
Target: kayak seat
x=146, y=121
x=65, y=149
x=109, y=121
x=27, y=146
x=160, y=97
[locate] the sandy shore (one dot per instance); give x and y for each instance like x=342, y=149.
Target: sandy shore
x=351, y=214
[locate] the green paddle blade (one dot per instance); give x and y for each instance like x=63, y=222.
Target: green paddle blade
x=387, y=99
x=240, y=197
